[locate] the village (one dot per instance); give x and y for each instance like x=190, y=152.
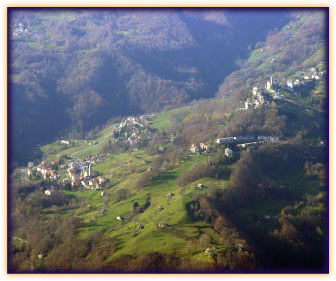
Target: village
x=263, y=95
x=69, y=171
x=134, y=130
x=78, y=173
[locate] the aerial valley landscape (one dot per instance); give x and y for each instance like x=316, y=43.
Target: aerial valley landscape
x=168, y=140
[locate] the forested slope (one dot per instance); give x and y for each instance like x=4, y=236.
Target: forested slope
x=302, y=43
x=71, y=70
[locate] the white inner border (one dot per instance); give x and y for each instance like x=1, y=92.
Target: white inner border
x=295, y=3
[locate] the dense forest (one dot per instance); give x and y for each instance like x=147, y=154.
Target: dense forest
x=72, y=70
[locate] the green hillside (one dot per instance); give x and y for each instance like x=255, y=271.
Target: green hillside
x=189, y=227
x=234, y=184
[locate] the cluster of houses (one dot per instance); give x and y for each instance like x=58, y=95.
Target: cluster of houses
x=74, y=171
x=44, y=170
x=303, y=77
x=142, y=121
x=263, y=95
x=206, y=148
x=135, y=129
x=199, y=148
x=96, y=159
x=228, y=152
x=20, y=29
x=80, y=174
x=259, y=97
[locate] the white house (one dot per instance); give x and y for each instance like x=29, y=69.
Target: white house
x=290, y=84
x=247, y=104
x=228, y=152
x=48, y=192
x=255, y=90
x=297, y=82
